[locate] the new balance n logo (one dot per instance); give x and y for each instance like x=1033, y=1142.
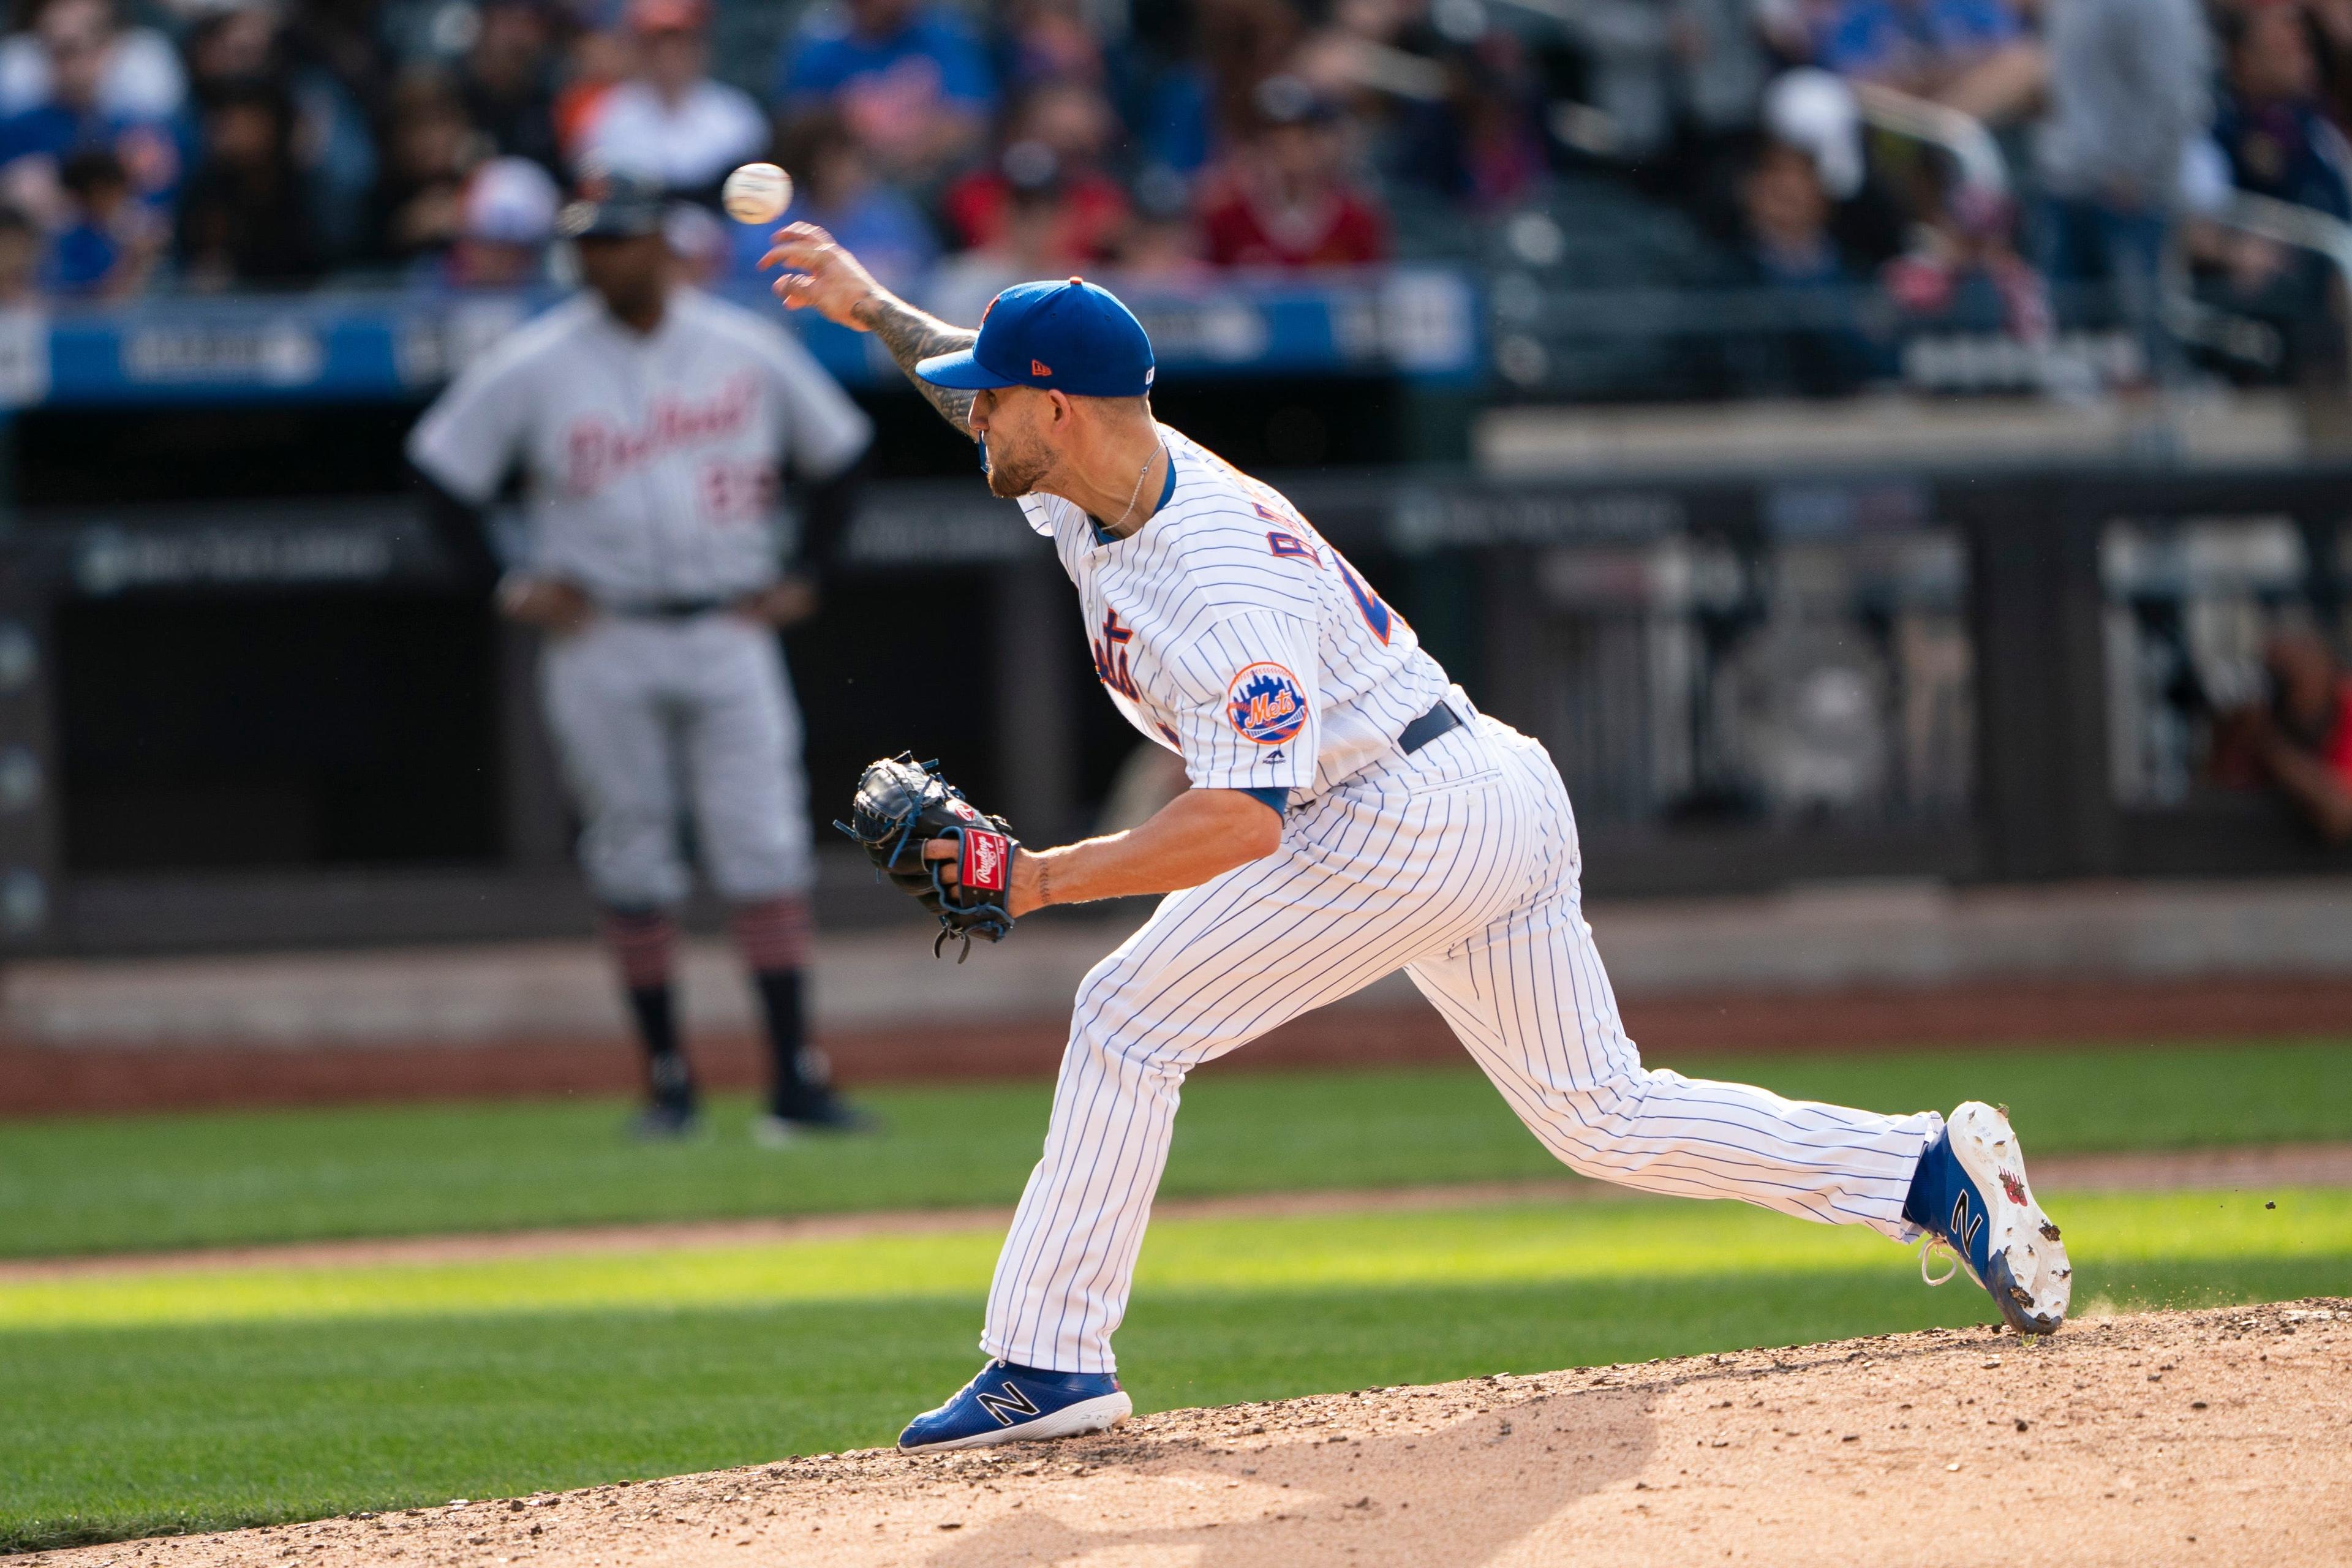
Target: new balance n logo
x=1965, y=1222
x=1008, y=1403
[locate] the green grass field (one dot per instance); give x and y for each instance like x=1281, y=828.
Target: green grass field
x=147, y=1402
x=122, y=1183
x=141, y=1404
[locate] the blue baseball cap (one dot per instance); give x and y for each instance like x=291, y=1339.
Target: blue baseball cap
x=1068, y=337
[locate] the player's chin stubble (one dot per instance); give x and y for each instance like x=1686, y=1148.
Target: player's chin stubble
x=1013, y=474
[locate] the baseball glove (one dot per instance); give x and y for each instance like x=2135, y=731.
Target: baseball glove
x=900, y=806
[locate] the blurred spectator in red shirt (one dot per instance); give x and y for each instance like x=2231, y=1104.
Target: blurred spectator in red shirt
x=2302, y=739
x=911, y=81
x=1056, y=137
x=1962, y=272
x=1029, y=242
x=672, y=122
x=20, y=260
x=243, y=218
x=1285, y=200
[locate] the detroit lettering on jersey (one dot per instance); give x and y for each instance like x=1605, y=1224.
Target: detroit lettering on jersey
x=601, y=450
x=652, y=459
x=1229, y=630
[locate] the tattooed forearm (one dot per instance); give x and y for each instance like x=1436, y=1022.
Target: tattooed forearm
x=911, y=335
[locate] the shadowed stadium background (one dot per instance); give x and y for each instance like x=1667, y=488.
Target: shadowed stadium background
x=1901, y=471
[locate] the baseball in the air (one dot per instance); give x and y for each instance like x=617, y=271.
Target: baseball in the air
x=756, y=193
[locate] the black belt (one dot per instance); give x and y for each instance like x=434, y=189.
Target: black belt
x=1427, y=728
x=666, y=609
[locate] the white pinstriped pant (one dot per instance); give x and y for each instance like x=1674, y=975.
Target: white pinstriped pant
x=1458, y=864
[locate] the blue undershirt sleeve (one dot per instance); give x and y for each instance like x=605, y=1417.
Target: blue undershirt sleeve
x=1275, y=800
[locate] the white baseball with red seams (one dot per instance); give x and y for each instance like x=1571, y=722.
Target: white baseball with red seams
x=756, y=193
x=1229, y=630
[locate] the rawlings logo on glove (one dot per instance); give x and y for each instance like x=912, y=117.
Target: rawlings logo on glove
x=901, y=808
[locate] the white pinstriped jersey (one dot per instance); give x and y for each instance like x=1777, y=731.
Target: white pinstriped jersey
x=1228, y=631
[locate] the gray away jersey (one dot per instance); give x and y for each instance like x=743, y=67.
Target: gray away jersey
x=1228, y=631
x=652, y=461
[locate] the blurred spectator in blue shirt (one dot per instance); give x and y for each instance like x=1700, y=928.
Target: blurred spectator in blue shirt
x=834, y=186
x=1482, y=143
x=912, y=84
x=1972, y=55
x=109, y=246
x=1051, y=40
x=78, y=39
x=2272, y=139
x=671, y=122
x=1787, y=244
x=140, y=76
x=2271, y=130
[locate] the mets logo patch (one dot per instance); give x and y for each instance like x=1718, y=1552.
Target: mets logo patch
x=1265, y=704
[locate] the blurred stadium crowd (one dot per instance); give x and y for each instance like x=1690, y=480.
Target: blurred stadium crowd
x=213, y=144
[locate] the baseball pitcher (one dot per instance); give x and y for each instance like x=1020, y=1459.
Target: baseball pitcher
x=1351, y=813
x=652, y=422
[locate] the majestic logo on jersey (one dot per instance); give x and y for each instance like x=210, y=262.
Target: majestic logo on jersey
x=1110, y=656
x=597, y=451
x=1265, y=704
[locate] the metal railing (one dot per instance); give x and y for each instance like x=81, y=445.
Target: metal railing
x=2193, y=320
x=1960, y=134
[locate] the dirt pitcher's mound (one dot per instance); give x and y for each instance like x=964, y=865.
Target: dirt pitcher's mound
x=2216, y=1436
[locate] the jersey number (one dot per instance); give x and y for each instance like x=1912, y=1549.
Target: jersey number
x=1377, y=614
x=737, y=493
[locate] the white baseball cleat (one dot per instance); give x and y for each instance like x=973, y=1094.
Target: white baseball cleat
x=1971, y=1197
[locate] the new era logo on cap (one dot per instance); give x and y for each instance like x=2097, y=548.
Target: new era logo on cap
x=1071, y=336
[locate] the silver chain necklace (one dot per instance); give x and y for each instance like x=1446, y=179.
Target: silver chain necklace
x=1133, y=495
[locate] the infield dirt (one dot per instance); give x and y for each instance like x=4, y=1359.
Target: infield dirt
x=2212, y=1437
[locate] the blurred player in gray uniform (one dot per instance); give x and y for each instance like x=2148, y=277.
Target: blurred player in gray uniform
x=651, y=422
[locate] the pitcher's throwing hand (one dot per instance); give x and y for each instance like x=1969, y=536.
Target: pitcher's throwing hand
x=819, y=275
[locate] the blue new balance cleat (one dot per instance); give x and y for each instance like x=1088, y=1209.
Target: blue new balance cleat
x=1008, y=1403
x=1969, y=1196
